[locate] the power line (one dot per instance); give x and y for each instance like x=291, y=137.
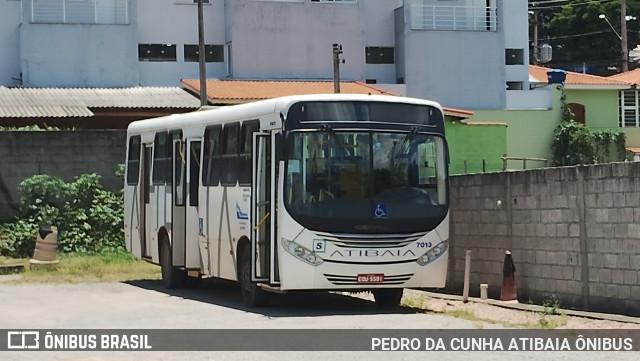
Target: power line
x=534, y=7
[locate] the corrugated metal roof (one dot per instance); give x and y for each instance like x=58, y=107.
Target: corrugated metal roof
x=77, y=102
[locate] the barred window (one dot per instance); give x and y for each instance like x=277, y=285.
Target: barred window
x=80, y=12
x=629, y=108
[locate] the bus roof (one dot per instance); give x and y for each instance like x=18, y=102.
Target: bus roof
x=256, y=109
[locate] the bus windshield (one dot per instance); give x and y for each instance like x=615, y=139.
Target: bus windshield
x=363, y=181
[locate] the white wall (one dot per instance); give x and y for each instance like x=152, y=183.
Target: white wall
x=172, y=22
x=293, y=40
x=10, y=19
x=456, y=68
x=63, y=55
x=516, y=36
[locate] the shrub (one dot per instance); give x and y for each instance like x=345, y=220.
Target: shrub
x=89, y=218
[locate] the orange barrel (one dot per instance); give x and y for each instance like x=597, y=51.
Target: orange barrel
x=46, y=244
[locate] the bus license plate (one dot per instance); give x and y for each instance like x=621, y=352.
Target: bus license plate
x=371, y=278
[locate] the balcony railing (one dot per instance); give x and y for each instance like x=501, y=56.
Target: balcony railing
x=459, y=18
x=80, y=12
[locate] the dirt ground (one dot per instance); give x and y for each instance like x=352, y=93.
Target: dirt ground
x=547, y=318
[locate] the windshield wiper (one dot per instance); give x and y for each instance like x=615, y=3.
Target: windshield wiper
x=408, y=138
x=326, y=128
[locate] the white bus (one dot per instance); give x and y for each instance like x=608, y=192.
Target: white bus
x=313, y=192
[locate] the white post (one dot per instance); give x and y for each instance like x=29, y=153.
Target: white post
x=467, y=275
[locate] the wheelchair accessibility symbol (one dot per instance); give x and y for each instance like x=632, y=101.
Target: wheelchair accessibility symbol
x=380, y=210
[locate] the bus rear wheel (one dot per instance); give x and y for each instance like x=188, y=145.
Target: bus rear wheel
x=172, y=277
x=252, y=294
x=388, y=297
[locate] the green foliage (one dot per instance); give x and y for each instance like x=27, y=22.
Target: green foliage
x=573, y=143
x=89, y=218
x=28, y=128
x=579, y=36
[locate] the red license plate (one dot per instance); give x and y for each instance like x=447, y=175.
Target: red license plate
x=371, y=278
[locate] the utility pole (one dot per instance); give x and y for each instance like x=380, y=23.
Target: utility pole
x=202, y=69
x=623, y=35
x=337, y=50
x=536, y=49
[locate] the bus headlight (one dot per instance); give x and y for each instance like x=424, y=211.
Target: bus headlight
x=434, y=253
x=301, y=252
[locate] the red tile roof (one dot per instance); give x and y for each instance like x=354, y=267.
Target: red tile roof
x=573, y=78
x=226, y=91
x=233, y=91
x=632, y=76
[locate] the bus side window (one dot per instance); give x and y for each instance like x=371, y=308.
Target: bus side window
x=194, y=173
x=173, y=136
x=212, y=160
x=179, y=165
x=160, y=158
x=229, y=167
x=246, y=147
x=133, y=161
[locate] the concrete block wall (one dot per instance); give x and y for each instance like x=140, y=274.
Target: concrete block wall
x=574, y=233
x=64, y=154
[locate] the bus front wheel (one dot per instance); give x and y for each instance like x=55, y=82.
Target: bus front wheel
x=252, y=294
x=172, y=277
x=388, y=297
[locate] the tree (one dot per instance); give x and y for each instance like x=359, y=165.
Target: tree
x=579, y=36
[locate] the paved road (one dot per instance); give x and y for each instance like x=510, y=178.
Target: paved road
x=145, y=304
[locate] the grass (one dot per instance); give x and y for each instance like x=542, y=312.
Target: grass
x=551, y=317
x=107, y=267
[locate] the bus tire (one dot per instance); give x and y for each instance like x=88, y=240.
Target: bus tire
x=252, y=294
x=388, y=297
x=172, y=277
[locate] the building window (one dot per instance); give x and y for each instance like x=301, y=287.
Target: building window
x=113, y=12
x=190, y=2
x=476, y=15
x=372, y=81
x=333, y=1
x=229, y=54
x=629, y=108
x=514, y=85
x=379, y=55
x=213, y=53
x=156, y=52
x=514, y=56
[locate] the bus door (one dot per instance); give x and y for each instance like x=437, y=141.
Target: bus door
x=146, y=221
x=194, y=223
x=263, y=215
x=178, y=210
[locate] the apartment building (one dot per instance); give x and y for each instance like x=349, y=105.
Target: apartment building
x=463, y=53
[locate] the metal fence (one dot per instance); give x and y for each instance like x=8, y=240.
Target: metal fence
x=458, y=18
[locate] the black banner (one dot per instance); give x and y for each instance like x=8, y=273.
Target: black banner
x=318, y=340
